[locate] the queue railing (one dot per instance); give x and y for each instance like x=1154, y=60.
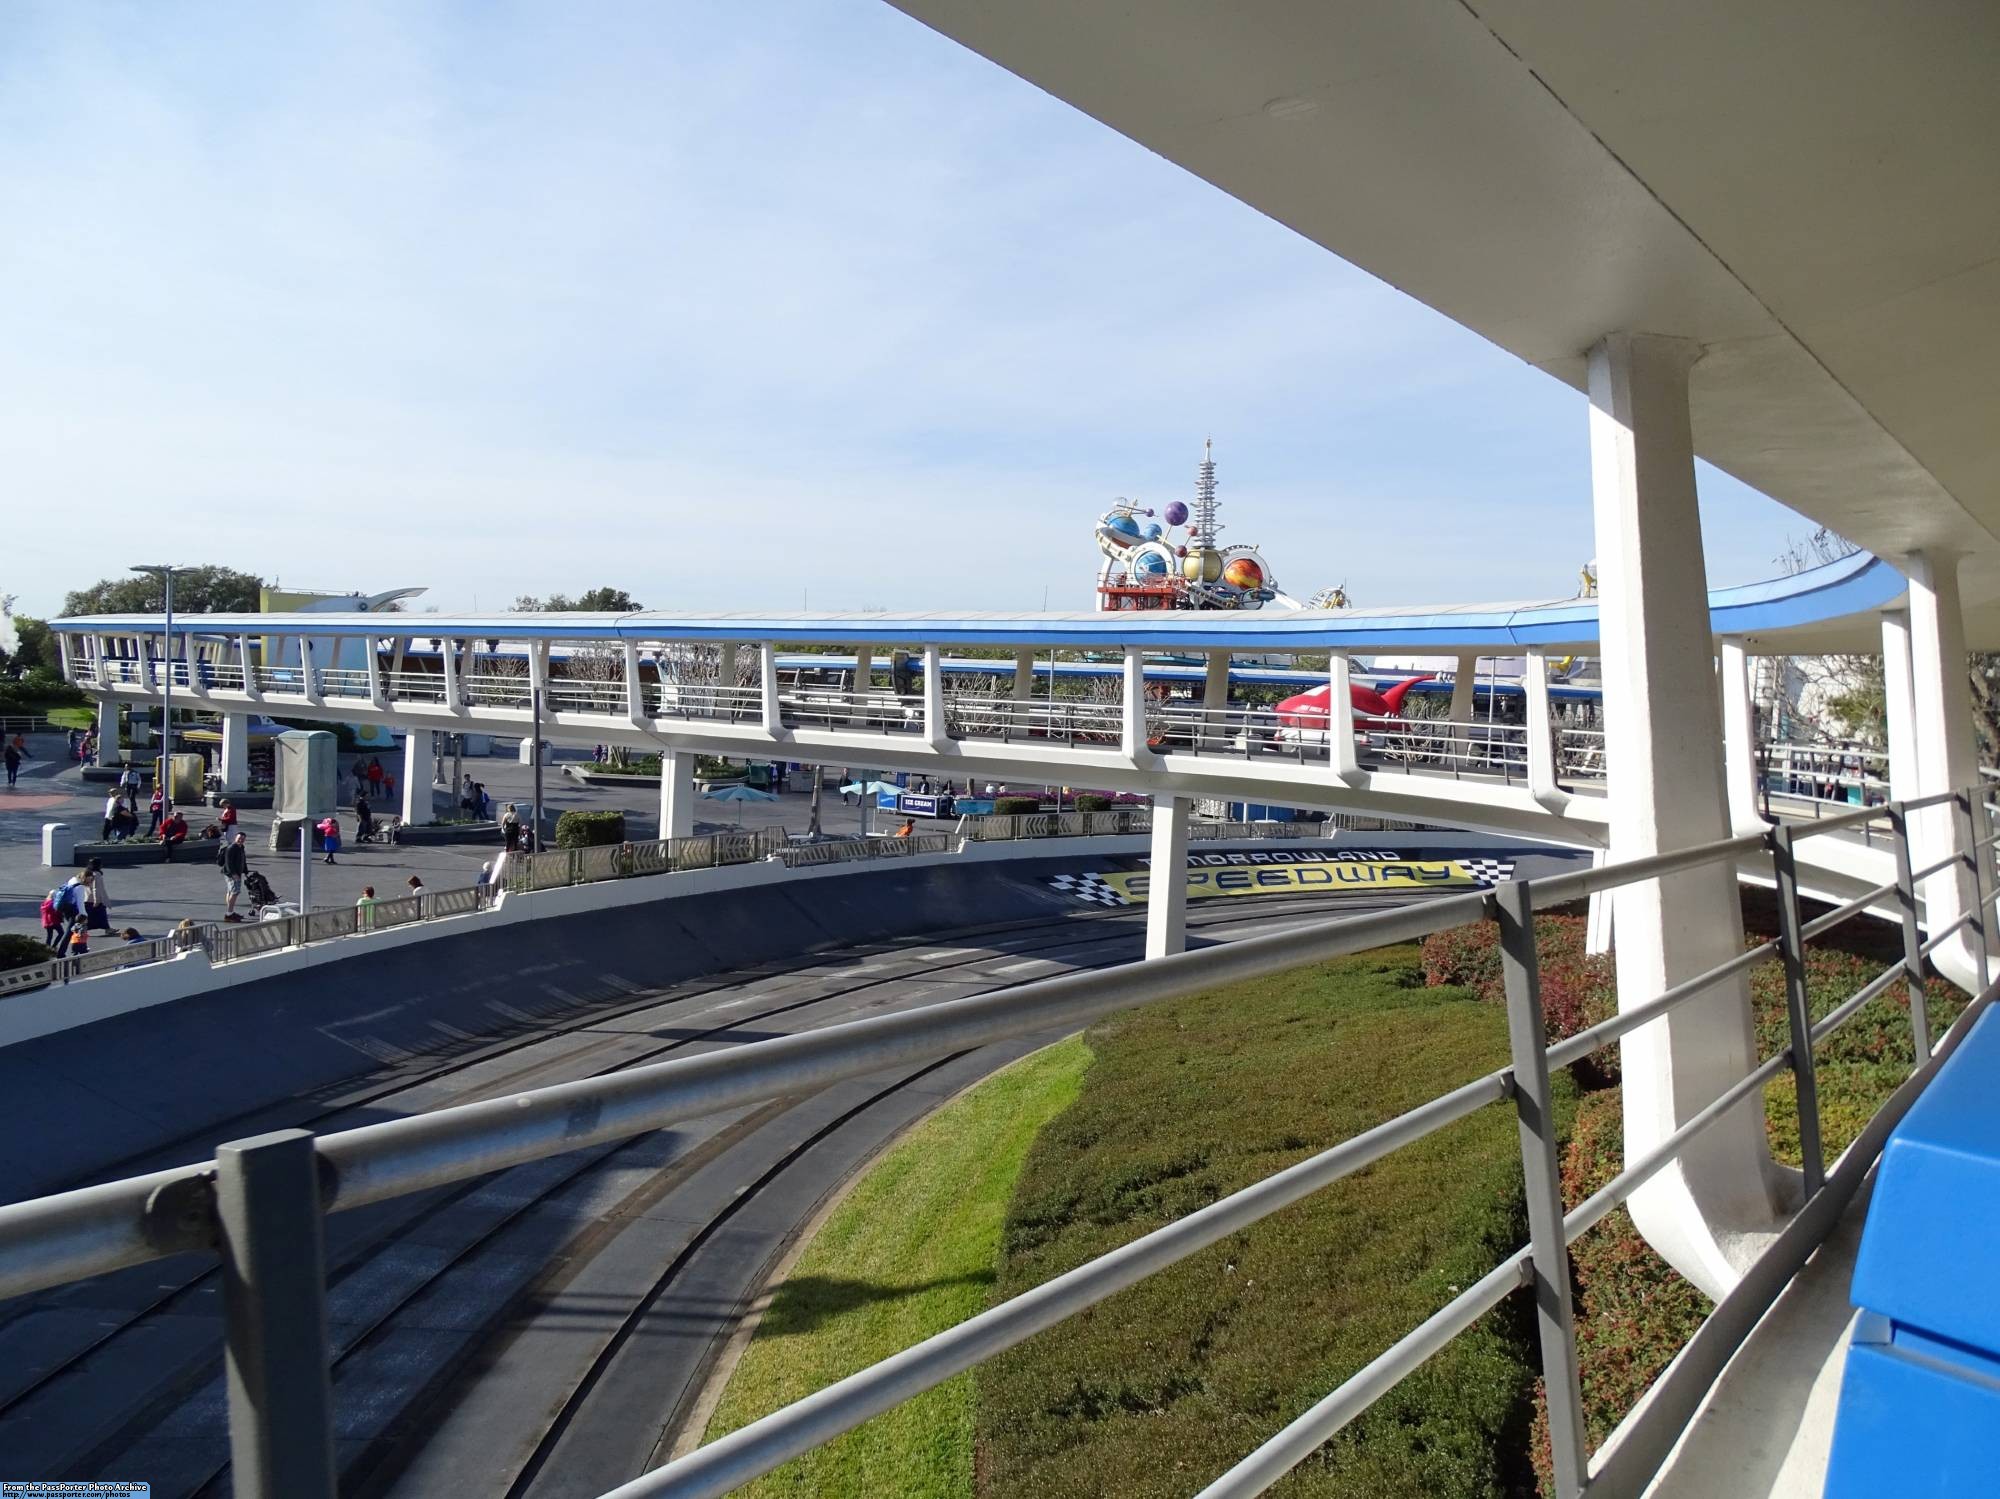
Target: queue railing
x=276, y=1189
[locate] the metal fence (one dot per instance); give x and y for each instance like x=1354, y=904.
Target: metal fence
x=558, y=867
x=260, y=1204
x=1009, y=826
x=845, y=850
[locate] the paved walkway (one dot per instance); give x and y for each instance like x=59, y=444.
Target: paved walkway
x=153, y=897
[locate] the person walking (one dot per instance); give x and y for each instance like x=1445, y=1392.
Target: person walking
x=114, y=805
x=158, y=808
x=225, y=817
x=52, y=922
x=233, y=859
x=364, y=909
x=416, y=885
x=13, y=758
x=510, y=828
x=329, y=836
x=79, y=943
x=364, y=820
x=128, y=782
x=96, y=898
x=375, y=775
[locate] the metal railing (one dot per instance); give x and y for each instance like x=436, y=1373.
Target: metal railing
x=557, y=867
x=1823, y=774
x=705, y=700
x=846, y=850
x=274, y=1190
x=342, y=681
x=1448, y=747
x=492, y=690
x=1580, y=754
x=1064, y=721
x=834, y=708
x=414, y=686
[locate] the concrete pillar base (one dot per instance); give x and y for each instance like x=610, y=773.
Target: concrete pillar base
x=416, y=777
x=234, y=764
x=1166, y=883
x=676, y=794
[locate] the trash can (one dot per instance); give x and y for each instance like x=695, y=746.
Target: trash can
x=1919, y=1411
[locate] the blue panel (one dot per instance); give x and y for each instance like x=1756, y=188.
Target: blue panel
x=1937, y=1196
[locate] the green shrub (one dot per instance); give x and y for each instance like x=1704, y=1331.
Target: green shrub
x=1091, y=801
x=631, y=765
x=17, y=951
x=589, y=829
x=1011, y=806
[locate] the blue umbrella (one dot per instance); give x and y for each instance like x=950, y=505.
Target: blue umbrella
x=738, y=794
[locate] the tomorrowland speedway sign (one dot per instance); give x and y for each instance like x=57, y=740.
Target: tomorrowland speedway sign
x=1290, y=872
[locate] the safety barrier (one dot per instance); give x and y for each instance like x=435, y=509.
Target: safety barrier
x=1007, y=827
x=555, y=868
x=274, y=1190
x=844, y=850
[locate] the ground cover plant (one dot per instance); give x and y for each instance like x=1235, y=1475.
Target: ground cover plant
x=910, y=1252
x=1163, y=1387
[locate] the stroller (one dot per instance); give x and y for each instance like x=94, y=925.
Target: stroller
x=260, y=892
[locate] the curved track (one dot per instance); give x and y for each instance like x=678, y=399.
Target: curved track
x=542, y=1331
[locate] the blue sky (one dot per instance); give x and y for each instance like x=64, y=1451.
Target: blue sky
x=730, y=304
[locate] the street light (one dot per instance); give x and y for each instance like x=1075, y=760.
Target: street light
x=164, y=571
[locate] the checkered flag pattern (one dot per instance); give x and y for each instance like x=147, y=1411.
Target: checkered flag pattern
x=1488, y=871
x=1088, y=887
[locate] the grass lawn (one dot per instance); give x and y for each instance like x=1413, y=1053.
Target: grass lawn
x=1166, y=1385
x=910, y=1252
x=72, y=718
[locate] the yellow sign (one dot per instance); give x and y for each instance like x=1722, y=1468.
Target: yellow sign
x=1343, y=878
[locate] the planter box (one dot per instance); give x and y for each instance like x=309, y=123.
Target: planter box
x=434, y=833
x=602, y=778
x=109, y=774
x=130, y=855
x=246, y=801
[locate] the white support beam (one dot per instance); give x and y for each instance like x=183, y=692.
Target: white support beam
x=676, y=794
x=635, y=689
x=937, y=728
x=1541, y=728
x=767, y=673
x=538, y=671
x=726, y=671
x=1946, y=757
x=1711, y=1214
x=1215, y=697
x=107, y=730
x=1166, y=877
x=308, y=675
x=1133, y=721
x=235, y=759
x=1024, y=676
x=371, y=657
x=1739, y=736
x=1344, y=756
x=417, y=794
x=1900, y=707
x=1464, y=688
x=454, y=698
x=864, y=679
x=252, y=688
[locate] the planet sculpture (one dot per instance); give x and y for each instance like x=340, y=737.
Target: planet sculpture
x=1150, y=564
x=1243, y=573
x=1203, y=566
x=1176, y=513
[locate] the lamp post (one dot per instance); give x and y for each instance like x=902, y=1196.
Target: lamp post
x=165, y=571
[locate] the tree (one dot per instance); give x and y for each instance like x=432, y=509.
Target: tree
x=597, y=601
x=197, y=590
x=34, y=646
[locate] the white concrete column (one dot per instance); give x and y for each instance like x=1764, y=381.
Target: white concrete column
x=725, y=665
x=635, y=689
x=454, y=699
x=1215, y=697
x=1712, y=1212
x=1541, y=729
x=1464, y=687
x=767, y=676
x=1597, y=916
x=1345, y=757
x=1166, y=877
x=936, y=730
x=308, y=671
x=538, y=675
x=1024, y=676
x=1899, y=706
x=1946, y=752
x=676, y=794
x=864, y=673
x=252, y=688
x=1739, y=737
x=1133, y=731
x=107, y=731
x=417, y=776
x=372, y=659
x=235, y=761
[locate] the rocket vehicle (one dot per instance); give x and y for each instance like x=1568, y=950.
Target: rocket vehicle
x=1308, y=709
